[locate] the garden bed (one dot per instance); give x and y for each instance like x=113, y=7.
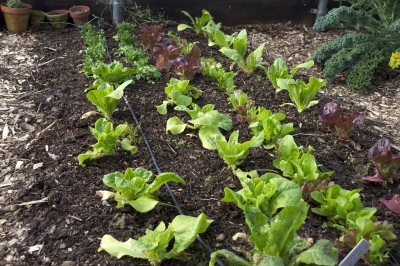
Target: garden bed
x=49, y=103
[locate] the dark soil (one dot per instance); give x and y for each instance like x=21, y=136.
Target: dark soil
x=72, y=222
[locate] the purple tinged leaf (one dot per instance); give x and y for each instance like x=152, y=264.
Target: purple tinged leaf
x=393, y=204
x=387, y=166
x=339, y=122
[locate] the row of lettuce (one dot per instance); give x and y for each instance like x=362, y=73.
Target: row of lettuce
x=274, y=207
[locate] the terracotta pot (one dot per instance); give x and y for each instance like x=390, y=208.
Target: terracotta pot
x=17, y=19
x=36, y=18
x=58, y=18
x=79, y=14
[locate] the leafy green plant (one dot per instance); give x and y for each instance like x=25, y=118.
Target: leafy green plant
x=210, y=30
x=108, y=74
x=300, y=92
x=232, y=152
x=346, y=212
x=132, y=188
x=264, y=120
x=107, y=140
x=125, y=34
x=279, y=70
x=106, y=99
x=277, y=243
x=198, y=23
x=268, y=193
x=225, y=40
x=253, y=60
x=179, y=92
x=207, y=120
x=94, y=40
x=241, y=104
x=215, y=70
x=359, y=53
x=297, y=164
x=155, y=245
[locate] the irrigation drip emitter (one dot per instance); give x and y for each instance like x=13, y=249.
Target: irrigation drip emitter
x=171, y=193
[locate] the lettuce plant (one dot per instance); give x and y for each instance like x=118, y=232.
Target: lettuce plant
x=209, y=29
x=300, y=92
x=152, y=36
x=189, y=65
x=232, y=152
x=387, y=166
x=279, y=70
x=392, y=204
x=253, y=60
x=240, y=104
x=346, y=212
x=206, y=120
x=276, y=241
x=297, y=164
x=270, y=124
x=132, y=187
x=268, y=193
x=106, y=99
x=112, y=74
x=107, y=140
x=339, y=122
x=198, y=23
x=162, y=243
x=168, y=56
x=179, y=92
x=215, y=70
x=225, y=40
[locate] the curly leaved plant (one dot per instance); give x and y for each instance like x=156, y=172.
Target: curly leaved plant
x=378, y=22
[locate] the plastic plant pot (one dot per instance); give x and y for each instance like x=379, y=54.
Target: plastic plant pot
x=17, y=19
x=58, y=18
x=79, y=14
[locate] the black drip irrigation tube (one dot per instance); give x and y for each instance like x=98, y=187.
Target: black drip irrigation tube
x=176, y=203
x=322, y=169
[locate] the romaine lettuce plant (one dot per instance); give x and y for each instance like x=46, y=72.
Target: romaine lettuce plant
x=132, y=188
x=300, y=92
x=339, y=122
x=279, y=70
x=210, y=30
x=207, y=120
x=268, y=193
x=276, y=242
x=270, y=124
x=387, y=166
x=107, y=140
x=232, y=152
x=297, y=164
x=162, y=243
x=106, y=100
x=225, y=40
x=113, y=74
x=179, y=93
x=253, y=60
x=198, y=23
